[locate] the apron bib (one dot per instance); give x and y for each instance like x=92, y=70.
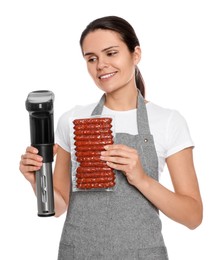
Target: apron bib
x=120, y=224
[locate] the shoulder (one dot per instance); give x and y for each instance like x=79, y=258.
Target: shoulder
x=166, y=120
x=170, y=129
x=162, y=115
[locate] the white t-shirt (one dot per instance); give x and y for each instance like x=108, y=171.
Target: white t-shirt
x=169, y=129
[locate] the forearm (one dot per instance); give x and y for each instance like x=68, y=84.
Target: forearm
x=60, y=204
x=181, y=208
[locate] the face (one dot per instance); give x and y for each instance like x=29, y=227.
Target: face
x=109, y=61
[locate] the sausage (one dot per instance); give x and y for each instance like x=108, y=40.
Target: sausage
x=95, y=185
x=86, y=148
x=93, y=142
x=92, y=120
x=95, y=175
x=93, y=169
x=94, y=164
x=93, y=126
x=93, y=131
x=88, y=153
x=89, y=159
x=93, y=137
x=95, y=180
x=90, y=137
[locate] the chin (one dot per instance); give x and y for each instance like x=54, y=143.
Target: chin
x=107, y=90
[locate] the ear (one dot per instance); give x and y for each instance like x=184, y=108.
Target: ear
x=137, y=55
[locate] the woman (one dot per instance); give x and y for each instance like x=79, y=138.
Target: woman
x=123, y=224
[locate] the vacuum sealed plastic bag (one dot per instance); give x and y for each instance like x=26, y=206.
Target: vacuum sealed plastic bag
x=89, y=172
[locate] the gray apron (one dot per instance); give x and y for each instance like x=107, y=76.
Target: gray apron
x=120, y=224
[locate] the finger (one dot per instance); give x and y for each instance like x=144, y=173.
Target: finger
x=116, y=166
x=31, y=149
x=32, y=156
x=117, y=160
x=118, y=153
x=119, y=147
x=27, y=160
x=30, y=169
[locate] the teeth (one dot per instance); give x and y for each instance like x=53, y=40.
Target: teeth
x=107, y=76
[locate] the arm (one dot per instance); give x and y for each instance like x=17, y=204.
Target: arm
x=184, y=205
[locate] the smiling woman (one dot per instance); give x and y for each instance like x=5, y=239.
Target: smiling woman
x=124, y=223
x=121, y=29
x=109, y=61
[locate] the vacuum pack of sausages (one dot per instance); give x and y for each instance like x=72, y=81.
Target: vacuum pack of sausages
x=90, y=135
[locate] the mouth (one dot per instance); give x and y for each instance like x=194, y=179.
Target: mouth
x=107, y=76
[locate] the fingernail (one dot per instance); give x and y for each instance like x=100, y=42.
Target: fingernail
x=106, y=147
x=35, y=150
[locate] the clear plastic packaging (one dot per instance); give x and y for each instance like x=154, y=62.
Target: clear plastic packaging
x=89, y=136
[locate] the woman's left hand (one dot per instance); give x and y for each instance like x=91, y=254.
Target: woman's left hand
x=126, y=159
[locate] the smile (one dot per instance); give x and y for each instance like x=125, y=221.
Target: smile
x=106, y=76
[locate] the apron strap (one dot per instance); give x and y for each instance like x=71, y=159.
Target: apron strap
x=99, y=107
x=142, y=116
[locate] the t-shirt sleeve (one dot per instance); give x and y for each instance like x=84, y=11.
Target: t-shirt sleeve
x=177, y=135
x=62, y=135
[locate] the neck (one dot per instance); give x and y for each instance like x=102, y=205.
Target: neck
x=122, y=100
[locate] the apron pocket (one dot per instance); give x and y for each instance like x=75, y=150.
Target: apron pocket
x=153, y=253
x=66, y=252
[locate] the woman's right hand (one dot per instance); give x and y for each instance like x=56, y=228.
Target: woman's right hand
x=30, y=163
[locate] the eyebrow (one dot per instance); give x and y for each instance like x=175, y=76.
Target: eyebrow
x=106, y=49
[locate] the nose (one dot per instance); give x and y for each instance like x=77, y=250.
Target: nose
x=101, y=64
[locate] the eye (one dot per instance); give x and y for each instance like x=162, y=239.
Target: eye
x=112, y=53
x=91, y=59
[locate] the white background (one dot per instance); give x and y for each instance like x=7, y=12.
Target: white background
x=183, y=66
